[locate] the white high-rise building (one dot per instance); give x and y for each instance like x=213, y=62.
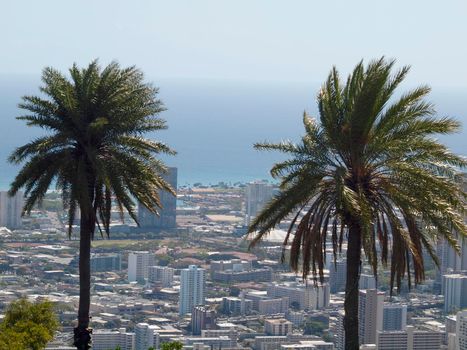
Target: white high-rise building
x=454, y=287
x=146, y=336
x=367, y=282
x=340, y=331
x=461, y=330
x=167, y=218
x=394, y=317
x=370, y=315
x=161, y=274
x=450, y=261
x=138, y=263
x=257, y=195
x=192, y=285
x=10, y=210
x=107, y=339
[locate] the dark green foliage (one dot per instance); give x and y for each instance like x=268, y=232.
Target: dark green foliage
x=173, y=345
x=314, y=328
x=28, y=325
x=94, y=123
x=95, y=153
x=234, y=291
x=370, y=171
x=368, y=160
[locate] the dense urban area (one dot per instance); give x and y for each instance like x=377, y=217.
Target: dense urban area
x=188, y=276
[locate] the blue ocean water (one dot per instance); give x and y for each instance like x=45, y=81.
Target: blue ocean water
x=214, y=124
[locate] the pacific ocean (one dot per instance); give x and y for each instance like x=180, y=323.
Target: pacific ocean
x=214, y=124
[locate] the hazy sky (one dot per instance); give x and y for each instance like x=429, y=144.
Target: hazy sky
x=238, y=39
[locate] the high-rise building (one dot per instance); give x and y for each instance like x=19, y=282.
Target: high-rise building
x=340, y=331
x=367, y=281
x=107, y=339
x=370, y=315
x=106, y=262
x=138, y=263
x=257, y=195
x=461, y=330
x=202, y=318
x=146, y=336
x=161, y=274
x=454, y=287
x=167, y=214
x=338, y=276
x=192, y=285
x=450, y=261
x=394, y=317
x=10, y=210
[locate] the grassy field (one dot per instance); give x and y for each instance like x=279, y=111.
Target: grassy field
x=127, y=243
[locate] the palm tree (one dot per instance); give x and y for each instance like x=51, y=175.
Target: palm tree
x=95, y=154
x=370, y=170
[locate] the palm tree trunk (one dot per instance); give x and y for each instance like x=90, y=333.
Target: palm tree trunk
x=82, y=333
x=354, y=246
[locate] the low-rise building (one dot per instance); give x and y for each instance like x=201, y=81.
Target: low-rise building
x=107, y=339
x=277, y=326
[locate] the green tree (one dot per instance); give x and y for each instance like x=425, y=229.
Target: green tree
x=173, y=345
x=314, y=328
x=95, y=153
x=11, y=340
x=371, y=170
x=295, y=305
x=28, y=325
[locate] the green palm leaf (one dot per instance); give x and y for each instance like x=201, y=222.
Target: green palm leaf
x=94, y=151
x=373, y=167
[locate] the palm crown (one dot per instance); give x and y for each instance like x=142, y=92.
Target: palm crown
x=95, y=153
x=93, y=149
x=371, y=162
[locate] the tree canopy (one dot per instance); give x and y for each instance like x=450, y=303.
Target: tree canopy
x=28, y=325
x=373, y=159
x=93, y=151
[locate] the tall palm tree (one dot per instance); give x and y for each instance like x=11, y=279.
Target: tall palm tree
x=95, y=154
x=370, y=170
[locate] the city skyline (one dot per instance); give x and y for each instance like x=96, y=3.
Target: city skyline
x=233, y=175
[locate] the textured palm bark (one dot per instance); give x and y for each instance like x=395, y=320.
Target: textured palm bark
x=82, y=333
x=354, y=246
